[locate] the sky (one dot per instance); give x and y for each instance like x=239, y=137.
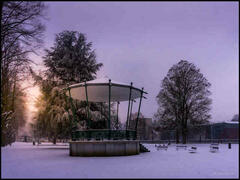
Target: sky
x=140, y=41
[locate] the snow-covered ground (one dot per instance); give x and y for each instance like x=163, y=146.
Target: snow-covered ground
x=23, y=160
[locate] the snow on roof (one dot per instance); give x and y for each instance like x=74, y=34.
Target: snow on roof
x=104, y=80
x=232, y=122
x=226, y=122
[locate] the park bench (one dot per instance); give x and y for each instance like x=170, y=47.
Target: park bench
x=214, y=147
x=181, y=147
x=163, y=146
x=193, y=149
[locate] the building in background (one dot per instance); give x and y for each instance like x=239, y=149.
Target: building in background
x=145, y=129
x=225, y=130
x=215, y=131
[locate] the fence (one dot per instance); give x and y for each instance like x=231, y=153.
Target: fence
x=101, y=134
x=206, y=141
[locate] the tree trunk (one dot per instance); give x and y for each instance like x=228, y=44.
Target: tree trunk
x=177, y=136
x=54, y=140
x=13, y=95
x=39, y=141
x=184, y=135
x=184, y=138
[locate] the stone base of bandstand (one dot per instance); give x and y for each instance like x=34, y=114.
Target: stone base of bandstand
x=104, y=148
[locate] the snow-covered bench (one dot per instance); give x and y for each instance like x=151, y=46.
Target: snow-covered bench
x=161, y=147
x=193, y=149
x=181, y=147
x=214, y=147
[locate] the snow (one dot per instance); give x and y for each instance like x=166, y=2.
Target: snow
x=104, y=80
x=23, y=160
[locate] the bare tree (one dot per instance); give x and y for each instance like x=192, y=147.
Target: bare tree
x=183, y=98
x=235, y=117
x=21, y=33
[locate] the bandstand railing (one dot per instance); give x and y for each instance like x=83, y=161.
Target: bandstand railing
x=103, y=134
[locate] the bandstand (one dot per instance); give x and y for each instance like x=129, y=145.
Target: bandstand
x=108, y=141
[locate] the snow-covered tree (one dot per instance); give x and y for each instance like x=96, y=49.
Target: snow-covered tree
x=21, y=33
x=70, y=60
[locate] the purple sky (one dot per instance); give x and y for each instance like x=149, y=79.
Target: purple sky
x=140, y=41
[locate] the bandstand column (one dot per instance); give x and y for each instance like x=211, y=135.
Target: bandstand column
x=88, y=121
x=101, y=110
x=109, y=110
x=129, y=105
x=130, y=112
x=139, y=111
x=117, y=112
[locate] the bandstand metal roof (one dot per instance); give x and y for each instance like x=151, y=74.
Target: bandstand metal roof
x=98, y=91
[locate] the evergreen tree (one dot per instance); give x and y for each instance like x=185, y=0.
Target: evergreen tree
x=71, y=60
